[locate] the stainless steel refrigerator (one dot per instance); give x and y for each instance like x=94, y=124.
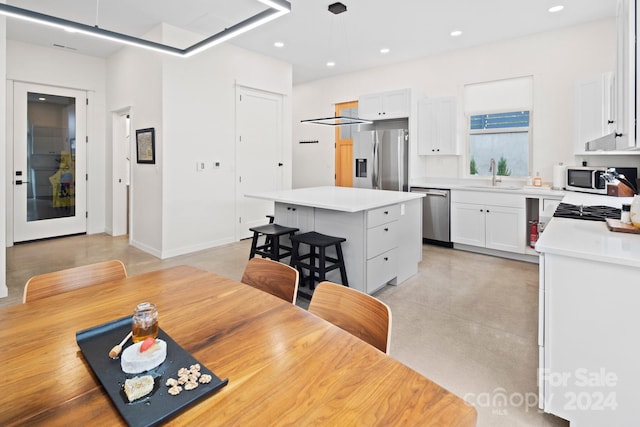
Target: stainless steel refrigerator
x=381, y=159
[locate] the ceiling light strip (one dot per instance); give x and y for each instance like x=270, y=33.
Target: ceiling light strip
x=277, y=9
x=234, y=31
x=71, y=26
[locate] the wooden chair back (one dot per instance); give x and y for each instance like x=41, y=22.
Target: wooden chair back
x=356, y=312
x=57, y=282
x=272, y=277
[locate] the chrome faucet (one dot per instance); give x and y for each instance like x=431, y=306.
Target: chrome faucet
x=492, y=169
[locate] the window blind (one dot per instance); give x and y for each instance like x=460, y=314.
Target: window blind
x=499, y=95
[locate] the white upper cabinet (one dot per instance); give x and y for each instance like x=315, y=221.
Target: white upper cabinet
x=386, y=105
x=437, y=126
x=626, y=75
x=595, y=109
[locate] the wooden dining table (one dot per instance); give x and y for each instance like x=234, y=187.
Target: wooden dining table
x=285, y=366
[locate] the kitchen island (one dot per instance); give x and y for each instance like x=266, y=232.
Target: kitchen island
x=383, y=229
x=589, y=293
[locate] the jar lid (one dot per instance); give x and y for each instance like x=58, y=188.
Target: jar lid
x=145, y=306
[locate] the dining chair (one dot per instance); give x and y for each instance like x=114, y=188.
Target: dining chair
x=57, y=282
x=272, y=277
x=356, y=312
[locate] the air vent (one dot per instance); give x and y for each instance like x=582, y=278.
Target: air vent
x=63, y=47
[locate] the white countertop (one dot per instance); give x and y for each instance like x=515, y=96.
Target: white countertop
x=346, y=199
x=590, y=239
x=507, y=186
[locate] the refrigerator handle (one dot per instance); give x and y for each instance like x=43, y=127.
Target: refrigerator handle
x=375, y=173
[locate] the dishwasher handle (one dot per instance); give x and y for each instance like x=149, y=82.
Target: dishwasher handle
x=438, y=193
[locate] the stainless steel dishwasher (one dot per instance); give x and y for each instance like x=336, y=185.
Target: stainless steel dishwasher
x=435, y=215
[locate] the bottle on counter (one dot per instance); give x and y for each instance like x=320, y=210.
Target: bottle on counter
x=635, y=211
x=537, y=181
x=625, y=216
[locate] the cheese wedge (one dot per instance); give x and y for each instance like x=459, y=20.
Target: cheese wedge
x=138, y=387
x=134, y=362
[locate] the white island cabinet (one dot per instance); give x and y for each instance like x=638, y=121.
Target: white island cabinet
x=383, y=229
x=589, y=316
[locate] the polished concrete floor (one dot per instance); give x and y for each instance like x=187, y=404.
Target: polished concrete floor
x=467, y=321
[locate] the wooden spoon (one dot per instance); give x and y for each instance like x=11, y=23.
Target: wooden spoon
x=115, y=351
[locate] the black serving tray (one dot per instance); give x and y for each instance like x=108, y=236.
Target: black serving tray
x=159, y=405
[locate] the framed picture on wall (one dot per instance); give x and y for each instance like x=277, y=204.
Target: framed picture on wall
x=146, y=145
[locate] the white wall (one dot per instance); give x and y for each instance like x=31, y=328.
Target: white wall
x=191, y=103
x=134, y=79
x=199, y=116
x=56, y=67
x=4, y=182
x=555, y=59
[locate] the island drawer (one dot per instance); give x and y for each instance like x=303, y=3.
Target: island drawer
x=382, y=215
x=382, y=238
x=382, y=269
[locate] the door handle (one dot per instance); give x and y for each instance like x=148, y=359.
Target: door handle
x=280, y=164
x=20, y=182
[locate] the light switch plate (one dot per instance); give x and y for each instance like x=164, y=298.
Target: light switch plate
x=200, y=166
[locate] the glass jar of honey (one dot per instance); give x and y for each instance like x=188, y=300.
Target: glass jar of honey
x=144, y=322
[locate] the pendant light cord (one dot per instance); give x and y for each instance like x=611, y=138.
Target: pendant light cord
x=97, y=11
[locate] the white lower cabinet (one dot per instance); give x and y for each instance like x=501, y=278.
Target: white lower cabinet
x=588, y=372
x=496, y=223
x=301, y=217
x=382, y=269
x=382, y=241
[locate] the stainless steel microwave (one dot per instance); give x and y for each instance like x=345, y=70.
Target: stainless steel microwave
x=587, y=179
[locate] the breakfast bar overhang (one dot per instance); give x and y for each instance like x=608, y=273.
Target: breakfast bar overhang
x=383, y=229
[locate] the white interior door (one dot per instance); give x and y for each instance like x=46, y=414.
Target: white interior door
x=50, y=128
x=258, y=155
x=121, y=171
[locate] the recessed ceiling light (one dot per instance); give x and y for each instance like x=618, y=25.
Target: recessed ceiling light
x=557, y=8
x=456, y=33
x=331, y=64
x=385, y=50
x=278, y=44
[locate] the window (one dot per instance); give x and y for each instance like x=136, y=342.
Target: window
x=503, y=137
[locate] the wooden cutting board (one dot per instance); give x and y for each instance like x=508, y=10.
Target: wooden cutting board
x=617, y=225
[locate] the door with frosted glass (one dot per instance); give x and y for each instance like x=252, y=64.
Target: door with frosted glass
x=49, y=164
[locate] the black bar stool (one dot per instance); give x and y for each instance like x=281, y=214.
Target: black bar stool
x=318, y=243
x=271, y=248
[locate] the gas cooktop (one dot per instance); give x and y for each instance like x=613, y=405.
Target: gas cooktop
x=590, y=213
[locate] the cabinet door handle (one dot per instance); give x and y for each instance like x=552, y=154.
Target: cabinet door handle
x=386, y=212
x=488, y=211
x=386, y=229
x=386, y=258
x=481, y=210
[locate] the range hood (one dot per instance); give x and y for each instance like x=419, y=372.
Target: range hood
x=604, y=143
x=338, y=121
